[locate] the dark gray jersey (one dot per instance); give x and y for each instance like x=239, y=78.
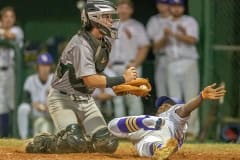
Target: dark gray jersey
x=78, y=58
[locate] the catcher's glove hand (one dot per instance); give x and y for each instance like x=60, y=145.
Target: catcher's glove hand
x=138, y=87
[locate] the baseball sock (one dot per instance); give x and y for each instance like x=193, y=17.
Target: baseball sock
x=135, y=123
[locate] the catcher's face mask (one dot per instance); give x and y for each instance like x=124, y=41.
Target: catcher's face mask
x=101, y=14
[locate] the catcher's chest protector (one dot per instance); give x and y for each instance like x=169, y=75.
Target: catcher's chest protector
x=101, y=50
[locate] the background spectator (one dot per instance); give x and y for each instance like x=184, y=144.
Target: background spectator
x=155, y=29
x=183, y=74
x=34, y=106
x=130, y=49
x=13, y=34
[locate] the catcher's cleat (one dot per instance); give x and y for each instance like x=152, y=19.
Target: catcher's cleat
x=166, y=151
x=29, y=146
x=43, y=143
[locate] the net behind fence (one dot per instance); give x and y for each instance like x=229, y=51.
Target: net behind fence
x=224, y=57
x=226, y=52
x=221, y=64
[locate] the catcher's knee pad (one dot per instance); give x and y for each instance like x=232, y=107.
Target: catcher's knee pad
x=104, y=141
x=43, y=143
x=71, y=140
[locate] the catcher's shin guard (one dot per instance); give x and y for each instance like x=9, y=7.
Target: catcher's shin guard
x=69, y=140
x=43, y=143
x=162, y=153
x=104, y=142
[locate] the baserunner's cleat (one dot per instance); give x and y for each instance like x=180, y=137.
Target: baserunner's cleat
x=166, y=151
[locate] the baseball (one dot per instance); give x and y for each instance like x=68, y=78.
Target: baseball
x=143, y=87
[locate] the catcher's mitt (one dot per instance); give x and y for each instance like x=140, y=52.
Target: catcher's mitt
x=138, y=87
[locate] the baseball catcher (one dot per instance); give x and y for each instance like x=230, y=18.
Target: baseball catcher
x=161, y=135
x=80, y=125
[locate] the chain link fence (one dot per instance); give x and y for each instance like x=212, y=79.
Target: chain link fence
x=226, y=52
x=225, y=59
x=221, y=65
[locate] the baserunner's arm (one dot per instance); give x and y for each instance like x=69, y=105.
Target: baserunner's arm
x=210, y=92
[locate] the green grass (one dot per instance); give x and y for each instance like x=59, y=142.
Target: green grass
x=212, y=146
x=11, y=142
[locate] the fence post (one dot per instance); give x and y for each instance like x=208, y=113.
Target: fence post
x=208, y=66
x=208, y=34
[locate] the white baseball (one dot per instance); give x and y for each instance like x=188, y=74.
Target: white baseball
x=143, y=87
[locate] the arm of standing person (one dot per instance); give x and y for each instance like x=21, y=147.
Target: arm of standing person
x=188, y=32
x=102, y=95
x=163, y=41
x=143, y=43
x=160, y=43
x=141, y=56
x=8, y=35
x=185, y=38
x=156, y=34
x=15, y=33
x=40, y=107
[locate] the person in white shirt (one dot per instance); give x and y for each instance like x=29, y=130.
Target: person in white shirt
x=183, y=73
x=13, y=34
x=155, y=29
x=162, y=135
x=128, y=50
x=33, y=107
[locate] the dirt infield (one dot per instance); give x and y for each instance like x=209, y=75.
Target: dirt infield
x=13, y=150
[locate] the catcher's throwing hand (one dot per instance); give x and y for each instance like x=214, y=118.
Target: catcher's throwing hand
x=138, y=87
x=130, y=74
x=213, y=92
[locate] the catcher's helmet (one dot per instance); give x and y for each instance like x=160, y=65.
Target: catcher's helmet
x=93, y=11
